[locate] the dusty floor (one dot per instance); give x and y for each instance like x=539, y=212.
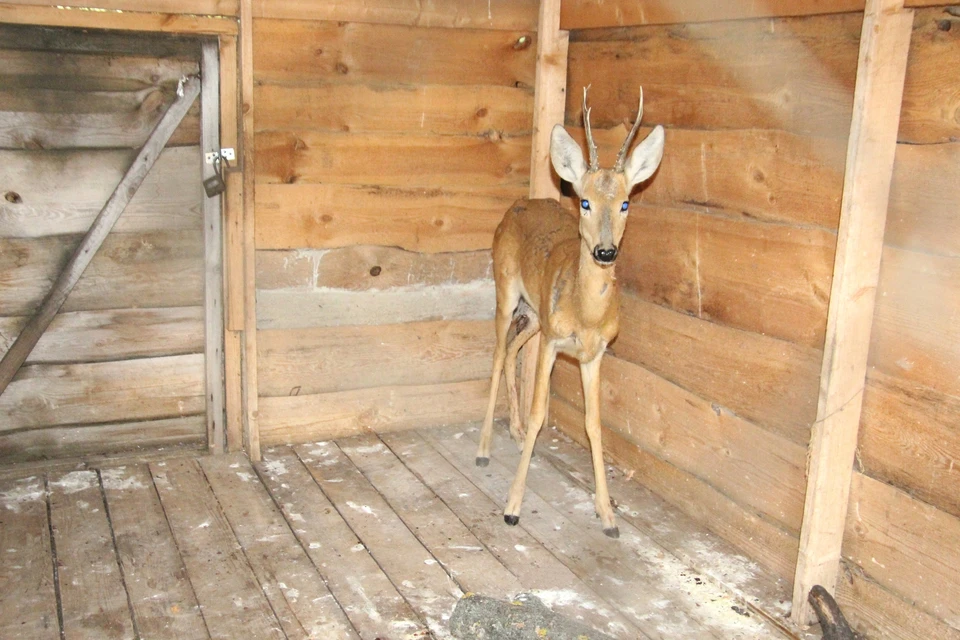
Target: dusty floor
x=370, y=537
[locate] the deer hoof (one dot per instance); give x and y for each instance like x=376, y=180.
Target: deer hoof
x=612, y=532
x=511, y=520
x=482, y=461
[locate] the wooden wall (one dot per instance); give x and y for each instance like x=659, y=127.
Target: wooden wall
x=122, y=364
x=711, y=388
x=388, y=145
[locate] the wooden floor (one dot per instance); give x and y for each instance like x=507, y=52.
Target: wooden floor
x=371, y=537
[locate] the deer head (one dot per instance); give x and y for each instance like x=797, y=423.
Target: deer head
x=604, y=193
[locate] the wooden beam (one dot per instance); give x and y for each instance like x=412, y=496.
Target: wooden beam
x=250, y=386
x=549, y=103
x=58, y=16
x=884, y=43
x=213, y=248
x=98, y=232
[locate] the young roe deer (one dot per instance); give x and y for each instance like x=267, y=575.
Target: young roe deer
x=555, y=275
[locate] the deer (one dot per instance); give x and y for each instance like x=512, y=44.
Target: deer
x=555, y=276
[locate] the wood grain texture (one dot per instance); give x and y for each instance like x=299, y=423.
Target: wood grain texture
x=760, y=470
x=46, y=395
x=367, y=596
x=584, y=14
x=92, y=594
x=907, y=546
x=517, y=549
x=795, y=74
x=303, y=52
x=26, y=578
x=910, y=438
x=756, y=537
x=414, y=109
x=368, y=267
x=25, y=12
x=421, y=580
x=875, y=611
x=229, y=595
x=200, y=7
x=767, y=175
x=770, y=279
x=153, y=269
x=869, y=169
x=438, y=527
x=402, y=160
x=96, y=336
x=325, y=307
x=924, y=197
x=124, y=438
x=458, y=14
x=296, y=591
x=915, y=334
x=294, y=216
x=321, y=360
x=930, y=111
x=163, y=602
x=770, y=382
x=60, y=192
x=346, y=413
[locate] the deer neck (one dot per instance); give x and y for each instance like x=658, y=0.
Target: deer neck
x=596, y=289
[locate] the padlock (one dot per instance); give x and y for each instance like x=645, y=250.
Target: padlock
x=214, y=185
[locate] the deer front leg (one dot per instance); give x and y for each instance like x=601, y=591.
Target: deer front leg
x=548, y=354
x=590, y=375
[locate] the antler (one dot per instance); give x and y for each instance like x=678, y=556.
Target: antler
x=626, y=143
x=594, y=163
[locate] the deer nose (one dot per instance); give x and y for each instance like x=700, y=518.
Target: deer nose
x=605, y=256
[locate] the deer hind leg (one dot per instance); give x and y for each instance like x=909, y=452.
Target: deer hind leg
x=506, y=303
x=590, y=375
x=548, y=354
x=527, y=325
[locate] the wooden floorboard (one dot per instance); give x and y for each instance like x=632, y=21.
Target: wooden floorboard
x=438, y=528
x=161, y=596
x=371, y=602
x=368, y=537
x=93, y=597
x=410, y=566
x=539, y=571
x=296, y=591
x=28, y=601
x=233, y=604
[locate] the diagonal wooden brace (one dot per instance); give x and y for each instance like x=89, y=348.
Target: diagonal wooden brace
x=104, y=222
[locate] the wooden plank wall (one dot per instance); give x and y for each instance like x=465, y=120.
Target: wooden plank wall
x=122, y=364
x=711, y=388
x=388, y=143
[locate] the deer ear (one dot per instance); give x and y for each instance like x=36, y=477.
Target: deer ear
x=567, y=157
x=645, y=158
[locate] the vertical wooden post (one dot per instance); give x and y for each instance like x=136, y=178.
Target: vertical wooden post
x=549, y=103
x=212, y=248
x=884, y=43
x=250, y=385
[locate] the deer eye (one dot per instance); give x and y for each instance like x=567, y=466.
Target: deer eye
x=624, y=206
x=585, y=205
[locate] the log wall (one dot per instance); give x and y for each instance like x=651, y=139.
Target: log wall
x=388, y=145
x=122, y=364
x=711, y=388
